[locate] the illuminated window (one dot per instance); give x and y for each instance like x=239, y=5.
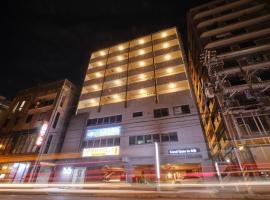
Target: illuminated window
x=142, y=52
x=141, y=41
x=121, y=48
x=141, y=63
x=142, y=76
x=168, y=57
x=116, y=96
x=172, y=85
x=98, y=75
x=102, y=53
x=119, y=69
x=164, y=34
x=120, y=58
x=142, y=91
x=169, y=70
x=165, y=45
x=100, y=63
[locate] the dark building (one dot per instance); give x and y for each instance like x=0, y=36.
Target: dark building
x=231, y=79
x=35, y=124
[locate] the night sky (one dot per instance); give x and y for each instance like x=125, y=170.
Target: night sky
x=48, y=40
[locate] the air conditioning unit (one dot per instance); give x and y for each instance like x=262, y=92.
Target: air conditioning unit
x=209, y=91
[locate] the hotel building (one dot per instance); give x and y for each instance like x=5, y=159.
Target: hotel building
x=232, y=80
x=135, y=94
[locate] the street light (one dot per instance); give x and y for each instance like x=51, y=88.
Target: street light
x=157, y=166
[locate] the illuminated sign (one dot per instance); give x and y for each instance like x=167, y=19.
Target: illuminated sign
x=184, y=151
x=41, y=134
x=101, y=151
x=102, y=132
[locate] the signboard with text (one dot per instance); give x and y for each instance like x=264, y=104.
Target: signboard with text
x=101, y=151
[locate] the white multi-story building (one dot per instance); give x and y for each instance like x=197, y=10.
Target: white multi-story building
x=135, y=94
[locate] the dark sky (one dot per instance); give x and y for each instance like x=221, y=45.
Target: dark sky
x=47, y=40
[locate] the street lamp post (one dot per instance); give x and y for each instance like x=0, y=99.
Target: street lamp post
x=157, y=166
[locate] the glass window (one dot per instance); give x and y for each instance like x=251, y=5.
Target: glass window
x=116, y=141
x=173, y=137
x=140, y=139
x=132, y=140
x=103, y=142
x=156, y=138
x=90, y=143
x=106, y=120
x=110, y=142
x=29, y=118
x=56, y=120
x=42, y=116
x=96, y=143
x=185, y=109
x=164, y=137
x=112, y=119
x=148, y=139
x=119, y=118
x=137, y=114
x=163, y=112
x=100, y=121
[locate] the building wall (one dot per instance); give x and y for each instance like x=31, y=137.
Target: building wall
x=238, y=31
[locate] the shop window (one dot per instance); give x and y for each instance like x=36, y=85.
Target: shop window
x=56, y=120
x=29, y=118
x=140, y=139
x=137, y=114
x=173, y=137
x=42, y=116
x=132, y=140
x=162, y=112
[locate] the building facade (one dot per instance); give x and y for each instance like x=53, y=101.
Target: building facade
x=4, y=105
x=135, y=94
x=35, y=125
x=231, y=78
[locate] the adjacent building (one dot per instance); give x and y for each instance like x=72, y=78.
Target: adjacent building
x=135, y=94
x=4, y=105
x=34, y=124
x=231, y=80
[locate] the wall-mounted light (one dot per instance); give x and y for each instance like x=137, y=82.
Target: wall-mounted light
x=100, y=63
x=141, y=63
x=168, y=57
x=164, y=34
x=102, y=53
x=120, y=58
x=165, y=45
x=141, y=41
x=120, y=47
x=142, y=52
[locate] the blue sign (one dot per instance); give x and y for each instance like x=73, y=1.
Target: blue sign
x=103, y=132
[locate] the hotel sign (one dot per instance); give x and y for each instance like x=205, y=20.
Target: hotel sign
x=183, y=151
x=103, y=132
x=100, y=151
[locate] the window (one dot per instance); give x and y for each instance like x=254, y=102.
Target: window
x=96, y=143
x=116, y=141
x=156, y=138
x=173, y=137
x=118, y=118
x=15, y=107
x=162, y=112
x=29, y=118
x=56, y=120
x=137, y=114
x=62, y=101
x=184, y=109
x=104, y=120
x=110, y=142
x=42, y=116
x=164, y=137
x=22, y=105
x=103, y=142
x=48, y=144
x=132, y=140
x=140, y=139
x=148, y=139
